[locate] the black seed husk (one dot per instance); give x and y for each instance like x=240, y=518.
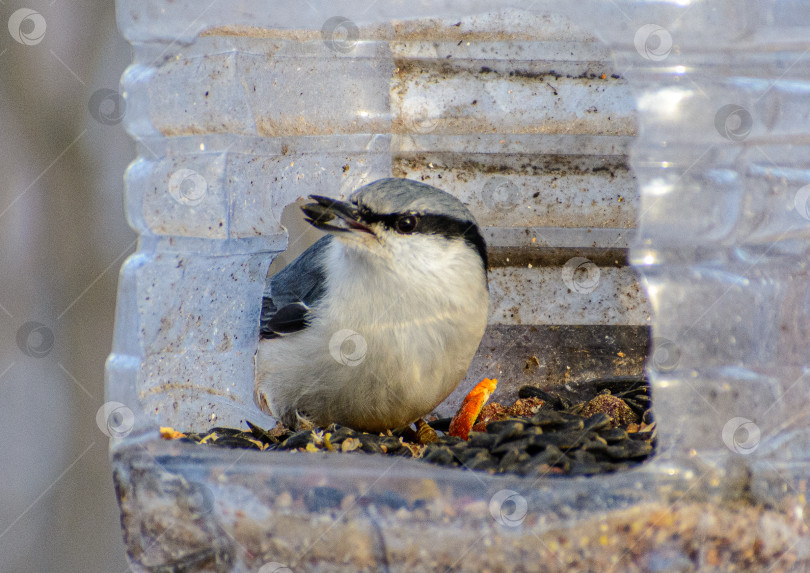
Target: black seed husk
x=481, y=440
x=438, y=454
x=613, y=435
x=555, y=440
x=370, y=443
x=297, y=440
x=551, y=400
x=441, y=425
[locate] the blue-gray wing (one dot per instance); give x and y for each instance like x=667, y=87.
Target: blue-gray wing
x=290, y=294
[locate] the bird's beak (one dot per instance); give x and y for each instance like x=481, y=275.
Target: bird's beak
x=333, y=216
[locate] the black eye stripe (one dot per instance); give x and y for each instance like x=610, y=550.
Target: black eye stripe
x=432, y=224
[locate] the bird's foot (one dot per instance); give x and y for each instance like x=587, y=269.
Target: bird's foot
x=261, y=400
x=302, y=422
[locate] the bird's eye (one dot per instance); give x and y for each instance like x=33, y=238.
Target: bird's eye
x=406, y=224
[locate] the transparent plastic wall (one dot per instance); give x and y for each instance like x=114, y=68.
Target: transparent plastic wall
x=241, y=108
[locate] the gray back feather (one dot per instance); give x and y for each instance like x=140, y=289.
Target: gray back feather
x=302, y=280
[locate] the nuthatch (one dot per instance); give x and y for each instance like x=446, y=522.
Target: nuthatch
x=377, y=322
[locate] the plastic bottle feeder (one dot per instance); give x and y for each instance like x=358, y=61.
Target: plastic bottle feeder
x=545, y=118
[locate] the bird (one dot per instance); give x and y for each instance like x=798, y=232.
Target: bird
x=377, y=322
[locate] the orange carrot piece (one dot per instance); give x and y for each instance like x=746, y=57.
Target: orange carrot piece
x=470, y=408
x=170, y=433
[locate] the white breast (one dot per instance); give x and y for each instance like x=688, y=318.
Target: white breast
x=394, y=339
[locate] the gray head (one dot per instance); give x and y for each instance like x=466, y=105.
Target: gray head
x=392, y=208
x=394, y=195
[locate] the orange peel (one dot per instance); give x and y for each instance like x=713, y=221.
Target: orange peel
x=463, y=421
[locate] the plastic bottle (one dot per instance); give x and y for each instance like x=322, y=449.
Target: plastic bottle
x=227, y=99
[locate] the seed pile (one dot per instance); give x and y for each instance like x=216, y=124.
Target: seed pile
x=541, y=433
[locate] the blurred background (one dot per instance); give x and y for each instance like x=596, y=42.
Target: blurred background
x=63, y=238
